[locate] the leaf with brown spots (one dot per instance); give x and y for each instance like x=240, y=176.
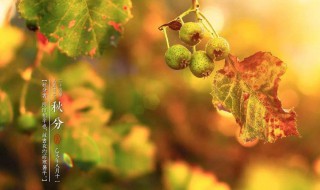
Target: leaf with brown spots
x=80, y=27
x=248, y=89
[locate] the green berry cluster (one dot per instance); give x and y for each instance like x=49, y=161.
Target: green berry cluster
x=200, y=62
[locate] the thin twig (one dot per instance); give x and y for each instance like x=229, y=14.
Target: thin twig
x=195, y=4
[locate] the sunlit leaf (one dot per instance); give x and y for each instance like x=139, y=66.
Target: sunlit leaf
x=248, y=90
x=266, y=176
x=176, y=175
x=79, y=27
x=134, y=154
x=181, y=176
x=10, y=39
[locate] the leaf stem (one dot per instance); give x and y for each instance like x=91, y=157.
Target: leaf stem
x=190, y=10
x=195, y=4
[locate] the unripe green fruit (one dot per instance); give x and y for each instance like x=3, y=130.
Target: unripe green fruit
x=27, y=122
x=6, y=113
x=178, y=57
x=201, y=65
x=191, y=33
x=217, y=48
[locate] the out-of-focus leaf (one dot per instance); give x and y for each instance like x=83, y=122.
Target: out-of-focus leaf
x=7, y=181
x=176, y=175
x=134, y=154
x=6, y=112
x=77, y=180
x=124, y=150
x=248, y=90
x=79, y=27
x=81, y=74
x=266, y=176
x=180, y=176
x=81, y=147
x=84, y=137
x=10, y=39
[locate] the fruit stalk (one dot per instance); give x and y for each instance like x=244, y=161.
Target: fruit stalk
x=166, y=36
x=22, y=108
x=195, y=4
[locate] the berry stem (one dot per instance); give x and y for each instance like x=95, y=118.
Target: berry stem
x=186, y=13
x=194, y=49
x=23, y=96
x=166, y=36
x=27, y=76
x=181, y=19
x=210, y=25
x=195, y=4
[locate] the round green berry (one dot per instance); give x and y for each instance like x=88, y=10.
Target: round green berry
x=178, y=57
x=201, y=65
x=191, y=33
x=27, y=122
x=217, y=48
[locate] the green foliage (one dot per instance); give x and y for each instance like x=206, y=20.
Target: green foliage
x=134, y=153
x=79, y=27
x=73, y=76
x=248, y=90
x=6, y=112
x=102, y=143
x=123, y=150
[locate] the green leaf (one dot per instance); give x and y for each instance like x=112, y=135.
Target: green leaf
x=134, y=153
x=81, y=74
x=248, y=90
x=81, y=147
x=84, y=137
x=80, y=27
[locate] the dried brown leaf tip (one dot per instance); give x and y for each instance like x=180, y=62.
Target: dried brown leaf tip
x=173, y=25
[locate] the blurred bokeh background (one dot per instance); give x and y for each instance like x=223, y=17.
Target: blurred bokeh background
x=159, y=129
